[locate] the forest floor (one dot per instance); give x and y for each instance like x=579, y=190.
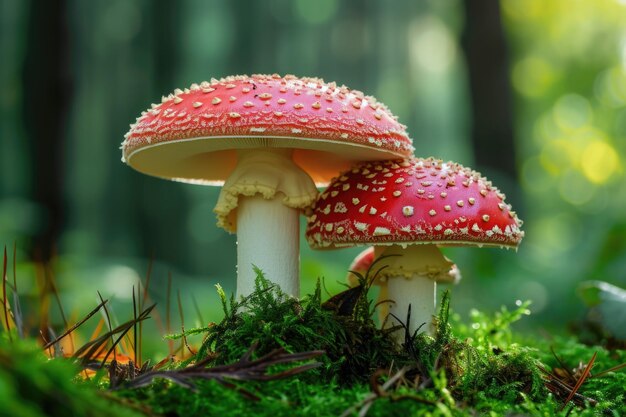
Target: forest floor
x=273, y=355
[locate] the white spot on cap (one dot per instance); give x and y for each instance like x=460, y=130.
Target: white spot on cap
x=216, y=100
x=432, y=212
x=485, y=217
x=381, y=231
x=407, y=211
x=328, y=227
x=471, y=200
x=340, y=208
x=177, y=100
x=258, y=129
x=373, y=210
x=460, y=203
x=447, y=208
x=397, y=193
x=361, y=226
x=355, y=201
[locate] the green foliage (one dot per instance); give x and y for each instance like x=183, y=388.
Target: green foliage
x=31, y=385
x=271, y=319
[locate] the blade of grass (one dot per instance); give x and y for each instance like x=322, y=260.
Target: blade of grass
x=143, y=316
x=75, y=326
x=142, y=301
x=50, y=279
x=134, y=325
x=198, y=313
x=106, y=313
x=168, y=323
x=182, y=327
x=4, y=294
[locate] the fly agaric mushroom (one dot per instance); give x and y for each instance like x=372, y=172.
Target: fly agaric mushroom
x=409, y=207
x=269, y=140
x=361, y=265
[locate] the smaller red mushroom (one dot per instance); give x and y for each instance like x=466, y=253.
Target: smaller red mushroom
x=362, y=264
x=409, y=207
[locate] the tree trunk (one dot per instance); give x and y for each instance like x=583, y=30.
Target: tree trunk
x=488, y=70
x=47, y=93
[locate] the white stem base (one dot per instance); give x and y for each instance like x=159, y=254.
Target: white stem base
x=410, y=277
x=420, y=293
x=268, y=237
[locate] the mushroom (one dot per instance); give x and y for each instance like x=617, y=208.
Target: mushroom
x=269, y=140
x=361, y=265
x=409, y=207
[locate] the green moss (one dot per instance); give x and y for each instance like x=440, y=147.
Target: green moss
x=31, y=385
x=483, y=368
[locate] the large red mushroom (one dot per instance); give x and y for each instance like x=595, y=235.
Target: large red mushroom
x=408, y=208
x=269, y=140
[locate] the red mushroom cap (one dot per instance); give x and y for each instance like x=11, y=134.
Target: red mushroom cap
x=330, y=127
x=412, y=201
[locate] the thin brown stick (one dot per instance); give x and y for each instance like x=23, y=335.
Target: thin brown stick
x=581, y=380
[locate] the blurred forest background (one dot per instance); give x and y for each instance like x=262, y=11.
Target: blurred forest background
x=531, y=93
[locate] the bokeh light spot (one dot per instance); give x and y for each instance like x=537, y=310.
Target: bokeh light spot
x=533, y=76
x=557, y=155
x=572, y=112
x=431, y=45
x=599, y=162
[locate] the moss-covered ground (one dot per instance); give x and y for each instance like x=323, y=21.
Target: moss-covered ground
x=273, y=355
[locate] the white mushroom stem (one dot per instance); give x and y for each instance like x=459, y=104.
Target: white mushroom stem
x=261, y=201
x=411, y=276
x=267, y=236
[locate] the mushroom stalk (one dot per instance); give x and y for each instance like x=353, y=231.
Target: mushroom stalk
x=411, y=276
x=420, y=293
x=267, y=237
x=261, y=201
